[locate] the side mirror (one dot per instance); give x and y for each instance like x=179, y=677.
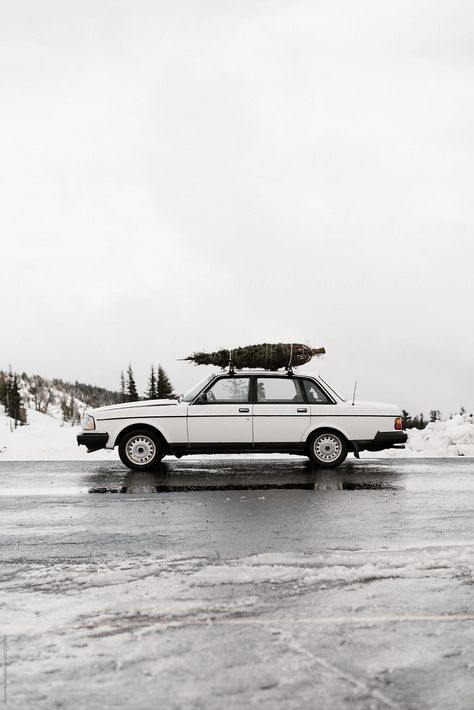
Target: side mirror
x=202, y=399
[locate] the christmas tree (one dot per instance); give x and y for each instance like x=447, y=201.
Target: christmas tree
x=269, y=356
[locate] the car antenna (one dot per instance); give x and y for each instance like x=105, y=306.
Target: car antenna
x=354, y=394
x=231, y=364
x=289, y=367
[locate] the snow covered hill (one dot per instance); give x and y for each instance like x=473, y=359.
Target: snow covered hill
x=54, y=410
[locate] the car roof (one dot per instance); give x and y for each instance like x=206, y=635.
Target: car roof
x=263, y=373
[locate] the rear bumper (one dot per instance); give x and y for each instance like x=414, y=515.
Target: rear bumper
x=93, y=440
x=382, y=440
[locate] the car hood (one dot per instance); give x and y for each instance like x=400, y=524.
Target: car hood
x=135, y=405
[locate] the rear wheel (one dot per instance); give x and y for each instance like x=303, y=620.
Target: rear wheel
x=327, y=448
x=140, y=450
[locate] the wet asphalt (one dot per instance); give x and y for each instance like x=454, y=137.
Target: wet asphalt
x=238, y=582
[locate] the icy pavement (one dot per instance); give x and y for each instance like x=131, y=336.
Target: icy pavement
x=238, y=584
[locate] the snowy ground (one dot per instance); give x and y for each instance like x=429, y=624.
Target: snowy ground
x=350, y=590
x=47, y=438
x=44, y=438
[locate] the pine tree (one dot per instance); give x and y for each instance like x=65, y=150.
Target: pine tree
x=3, y=388
x=14, y=404
x=151, y=392
x=435, y=415
x=269, y=356
x=164, y=388
x=407, y=420
x=131, y=392
x=122, y=388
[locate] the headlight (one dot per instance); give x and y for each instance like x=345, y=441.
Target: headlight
x=88, y=422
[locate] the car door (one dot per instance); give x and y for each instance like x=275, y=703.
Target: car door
x=280, y=413
x=222, y=414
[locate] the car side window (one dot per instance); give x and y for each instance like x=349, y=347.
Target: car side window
x=232, y=390
x=314, y=393
x=279, y=390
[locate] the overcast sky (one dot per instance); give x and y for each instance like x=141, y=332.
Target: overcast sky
x=180, y=176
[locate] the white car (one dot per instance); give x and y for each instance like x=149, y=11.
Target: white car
x=246, y=412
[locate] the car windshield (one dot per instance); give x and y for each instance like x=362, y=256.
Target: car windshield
x=344, y=399
x=194, y=391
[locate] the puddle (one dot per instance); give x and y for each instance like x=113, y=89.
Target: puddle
x=74, y=479
x=326, y=485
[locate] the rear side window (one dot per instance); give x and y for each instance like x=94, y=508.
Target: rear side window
x=314, y=393
x=279, y=390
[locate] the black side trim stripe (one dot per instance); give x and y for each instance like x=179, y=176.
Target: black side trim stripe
x=160, y=416
x=246, y=414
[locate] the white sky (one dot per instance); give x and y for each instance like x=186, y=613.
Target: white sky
x=178, y=176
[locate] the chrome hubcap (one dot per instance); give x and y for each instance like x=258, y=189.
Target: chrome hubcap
x=140, y=449
x=327, y=448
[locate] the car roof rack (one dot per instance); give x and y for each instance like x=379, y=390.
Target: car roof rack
x=288, y=368
x=232, y=370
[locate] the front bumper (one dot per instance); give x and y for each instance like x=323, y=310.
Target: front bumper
x=382, y=440
x=93, y=440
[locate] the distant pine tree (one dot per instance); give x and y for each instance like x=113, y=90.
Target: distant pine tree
x=122, y=388
x=131, y=391
x=14, y=404
x=152, y=392
x=3, y=388
x=407, y=421
x=165, y=388
x=435, y=415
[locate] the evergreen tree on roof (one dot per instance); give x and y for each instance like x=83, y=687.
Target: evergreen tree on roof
x=269, y=356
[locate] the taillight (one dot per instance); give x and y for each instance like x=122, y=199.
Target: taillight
x=398, y=423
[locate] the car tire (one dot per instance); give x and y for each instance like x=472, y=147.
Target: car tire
x=140, y=450
x=327, y=448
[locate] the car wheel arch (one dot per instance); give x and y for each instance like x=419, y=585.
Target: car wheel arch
x=142, y=427
x=333, y=430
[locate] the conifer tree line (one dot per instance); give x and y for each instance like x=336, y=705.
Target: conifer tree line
x=419, y=421
x=158, y=386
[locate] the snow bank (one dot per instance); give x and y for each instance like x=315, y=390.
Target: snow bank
x=43, y=438
x=453, y=437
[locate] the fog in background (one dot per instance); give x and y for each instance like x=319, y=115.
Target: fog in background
x=178, y=176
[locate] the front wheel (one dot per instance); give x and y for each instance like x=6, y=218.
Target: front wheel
x=140, y=450
x=327, y=448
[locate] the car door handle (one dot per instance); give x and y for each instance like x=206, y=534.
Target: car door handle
x=244, y=409
x=301, y=409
